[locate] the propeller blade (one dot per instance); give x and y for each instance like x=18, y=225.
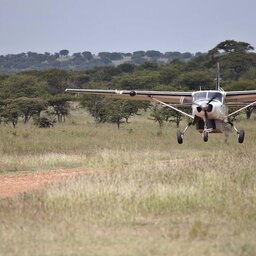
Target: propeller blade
x=213, y=98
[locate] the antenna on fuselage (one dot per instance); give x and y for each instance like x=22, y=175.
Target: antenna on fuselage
x=217, y=87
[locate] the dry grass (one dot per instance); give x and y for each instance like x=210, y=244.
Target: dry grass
x=144, y=205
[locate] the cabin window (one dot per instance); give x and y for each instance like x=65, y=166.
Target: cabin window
x=215, y=96
x=199, y=96
x=207, y=96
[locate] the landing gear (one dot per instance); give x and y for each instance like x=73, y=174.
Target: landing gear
x=205, y=136
x=206, y=130
x=241, y=136
x=180, y=135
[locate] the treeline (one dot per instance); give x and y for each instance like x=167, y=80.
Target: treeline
x=13, y=63
x=39, y=95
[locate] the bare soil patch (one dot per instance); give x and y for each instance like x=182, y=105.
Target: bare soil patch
x=12, y=185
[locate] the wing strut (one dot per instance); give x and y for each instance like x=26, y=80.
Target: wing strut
x=240, y=109
x=172, y=107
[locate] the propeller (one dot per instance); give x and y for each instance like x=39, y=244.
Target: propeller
x=207, y=107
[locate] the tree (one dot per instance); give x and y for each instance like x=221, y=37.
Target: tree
x=172, y=55
x=96, y=106
x=138, y=54
x=110, y=55
x=116, y=112
x=126, y=67
x=64, y=52
x=130, y=108
x=165, y=114
x=58, y=80
x=9, y=113
x=229, y=46
x=60, y=106
x=160, y=115
x=87, y=55
x=27, y=107
x=168, y=74
x=77, y=55
x=193, y=80
x=23, y=85
x=153, y=54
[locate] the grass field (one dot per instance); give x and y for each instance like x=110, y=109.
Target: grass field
x=142, y=202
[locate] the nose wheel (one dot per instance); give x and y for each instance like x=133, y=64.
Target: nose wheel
x=205, y=136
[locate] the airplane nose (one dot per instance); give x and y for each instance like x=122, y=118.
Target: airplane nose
x=205, y=107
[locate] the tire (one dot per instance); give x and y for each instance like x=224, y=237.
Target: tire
x=205, y=136
x=179, y=137
x=241, y=136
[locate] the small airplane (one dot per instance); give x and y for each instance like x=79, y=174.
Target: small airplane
x=209, y=107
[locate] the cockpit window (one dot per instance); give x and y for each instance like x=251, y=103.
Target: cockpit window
x=214, y=96
x=207, y=96
x=199, y=96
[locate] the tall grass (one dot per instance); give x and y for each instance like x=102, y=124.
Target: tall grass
x=143, y=202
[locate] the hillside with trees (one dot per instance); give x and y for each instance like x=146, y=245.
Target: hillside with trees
x=39, y=94
x=13, y=63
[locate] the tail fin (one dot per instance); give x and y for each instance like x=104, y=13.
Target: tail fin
x=217, y=86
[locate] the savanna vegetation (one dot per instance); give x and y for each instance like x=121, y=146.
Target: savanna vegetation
x=148, y=195
x=40, y=94
x=140, y=200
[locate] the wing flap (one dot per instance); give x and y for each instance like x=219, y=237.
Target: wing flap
x=240, y=97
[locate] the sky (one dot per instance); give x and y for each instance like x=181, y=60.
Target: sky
x=123, y=25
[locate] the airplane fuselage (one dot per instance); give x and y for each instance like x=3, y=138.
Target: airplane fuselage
x=211, y=102
x=208, y=108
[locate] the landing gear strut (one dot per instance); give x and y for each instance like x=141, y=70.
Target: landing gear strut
x=180, y=135
x=240, y=134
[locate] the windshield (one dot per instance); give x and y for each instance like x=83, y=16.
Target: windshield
x=199, y=96
x=207, y=96
x=214, y=96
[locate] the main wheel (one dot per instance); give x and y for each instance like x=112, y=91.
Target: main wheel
x=179, y=137
x=241, y=136
x=205, y=136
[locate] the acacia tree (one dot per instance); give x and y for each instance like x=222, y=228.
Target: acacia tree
x=165, y=114
x=60, y=106
x=160, y=115
x=26, y=107
x=114, y=111
x=96, y=106
x=230, y=46
x=9, y=113
x=64, y=52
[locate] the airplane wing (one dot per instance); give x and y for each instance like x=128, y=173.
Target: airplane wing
x=240, y=97
x=182, y=98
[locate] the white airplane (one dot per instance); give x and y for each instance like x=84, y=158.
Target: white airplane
x=209, y=107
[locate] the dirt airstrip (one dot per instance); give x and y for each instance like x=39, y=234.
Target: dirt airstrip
x=12, y=185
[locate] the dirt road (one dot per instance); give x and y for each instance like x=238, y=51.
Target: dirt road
x=12, y=185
